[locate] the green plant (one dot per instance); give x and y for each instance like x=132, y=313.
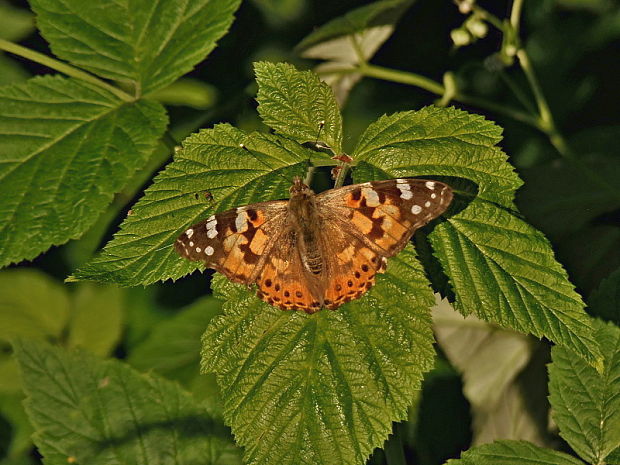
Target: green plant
x=293, y=388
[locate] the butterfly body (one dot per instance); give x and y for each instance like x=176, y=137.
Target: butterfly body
x=315, y=250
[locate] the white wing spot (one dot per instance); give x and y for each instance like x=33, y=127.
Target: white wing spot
x=427, y=204
x=430, y=185
x=241, y=221
x=198, y=249
x=371, y=196
x=433, y=195
x=189, y=233
x=211, y=231
x=416, y=209
x=191, y=243
x=404, y=188
x=211, y=218
x=209, y=250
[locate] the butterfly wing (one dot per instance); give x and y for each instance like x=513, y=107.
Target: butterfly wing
x=385, y=214
x=283, y=280
x=368, y=223
x=235, y=242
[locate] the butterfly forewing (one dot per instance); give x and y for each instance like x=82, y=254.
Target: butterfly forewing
x=235, y=242
x=385, y=214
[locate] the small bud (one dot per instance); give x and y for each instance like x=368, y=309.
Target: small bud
x=465, y=6
x=477, y=28
x=510, y=50
x=460, y=37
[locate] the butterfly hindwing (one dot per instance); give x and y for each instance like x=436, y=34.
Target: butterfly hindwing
x=234, y=242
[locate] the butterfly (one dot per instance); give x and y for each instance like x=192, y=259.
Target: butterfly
x=315, y=251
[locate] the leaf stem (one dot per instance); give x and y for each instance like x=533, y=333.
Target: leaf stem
x=515, y=16
x=64, y=68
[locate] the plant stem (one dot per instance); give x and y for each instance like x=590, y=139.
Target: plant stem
x=425, y=83
x=64, y=68
x=515, y=16
x=401, y=76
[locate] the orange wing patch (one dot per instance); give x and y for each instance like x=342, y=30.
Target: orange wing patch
x=355, y=275
x=281, y=283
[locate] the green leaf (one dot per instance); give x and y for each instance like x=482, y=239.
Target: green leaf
x=187, y=92
x=102, y=412
x=605, y=301
x=298, y=105
x=491, y=361
x=211, y=161
x=349, y=41
x=514, y=453
x=440, y=141
x=503, y=270
x=153, y=45
x=377, y=14
x=15, y=23
x=12, y=410
x=65, y=148
x=180, y=360
x=180, y=336
x=585, y=403
x=322, y=388
x=11, y=72
x=31, y=305
x=96, y=319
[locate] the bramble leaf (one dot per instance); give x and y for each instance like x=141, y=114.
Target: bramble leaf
x=440, y=141
x=503, y=270
x=513, y=453
x=298, y=105
x=322, y=388
x=585, y=403
x=65, y=148
x=212, y=173
x=86, y=410
x=153, y=45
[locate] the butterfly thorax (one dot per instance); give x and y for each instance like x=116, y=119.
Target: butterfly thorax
x=305, y=222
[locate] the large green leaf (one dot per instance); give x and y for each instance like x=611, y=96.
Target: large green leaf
x=298, y=105
x=440, y=141
x=514, y=453
x=322, y=388
x=585, y=402
x=503, y=270
x=212, y=162
x=85, y=410
x=148, y=44
x=65, y=148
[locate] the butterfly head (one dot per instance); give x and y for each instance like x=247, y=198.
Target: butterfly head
x=299, y=189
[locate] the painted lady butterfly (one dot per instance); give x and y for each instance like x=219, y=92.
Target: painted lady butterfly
x=315, y=251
